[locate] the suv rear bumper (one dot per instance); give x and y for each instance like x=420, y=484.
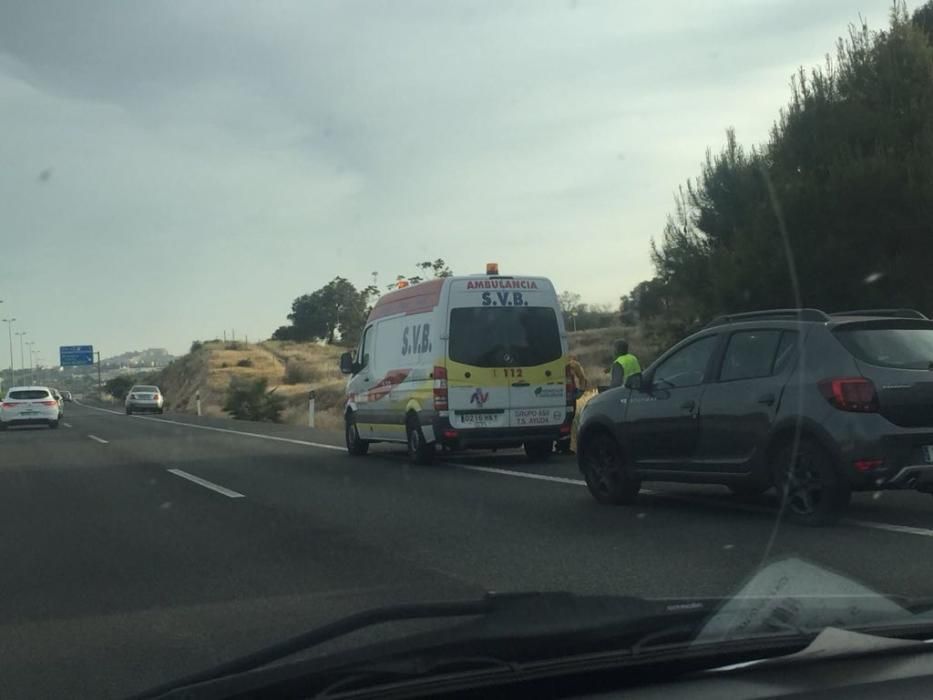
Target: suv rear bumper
x=903, y=457
x=917, y=476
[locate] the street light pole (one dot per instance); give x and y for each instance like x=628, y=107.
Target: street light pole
x=9, y=328
x=32, y=374
x=22, y=357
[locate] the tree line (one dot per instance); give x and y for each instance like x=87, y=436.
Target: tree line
x=835, y=211
x=339, y=309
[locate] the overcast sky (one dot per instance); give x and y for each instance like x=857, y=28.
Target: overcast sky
x=169, y=170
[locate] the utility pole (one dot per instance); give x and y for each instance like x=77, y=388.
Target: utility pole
x=9, y=328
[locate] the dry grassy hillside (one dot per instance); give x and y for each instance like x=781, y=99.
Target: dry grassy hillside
x=293, y=369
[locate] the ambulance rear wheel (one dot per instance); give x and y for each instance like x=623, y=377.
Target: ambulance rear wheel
x=539, y=450
x=356, y=446
x=419, y=451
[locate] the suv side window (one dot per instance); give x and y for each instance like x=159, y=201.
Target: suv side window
x=787, y=350
x=687, y=366
x=750, y=354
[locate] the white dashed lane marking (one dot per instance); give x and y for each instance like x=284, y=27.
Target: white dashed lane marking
x=100, y=440
x=217, y=488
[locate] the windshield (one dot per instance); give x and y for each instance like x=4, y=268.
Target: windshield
x=314, y=307
x=493, y=337
x=903, y=348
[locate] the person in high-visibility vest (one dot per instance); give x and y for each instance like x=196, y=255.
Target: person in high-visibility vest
x=624, y=366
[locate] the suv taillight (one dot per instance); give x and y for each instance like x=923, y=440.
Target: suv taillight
x=855, y=394
x=440, y=389
x=51, y=402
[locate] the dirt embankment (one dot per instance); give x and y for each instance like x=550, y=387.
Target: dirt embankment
x=291, y=369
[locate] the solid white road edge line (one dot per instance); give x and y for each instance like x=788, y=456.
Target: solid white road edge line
x=205, y=483
x=97, y=439
x=869, y=524
x=275, y=438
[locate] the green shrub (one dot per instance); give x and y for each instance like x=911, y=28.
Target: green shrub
x=119, y=387
x=245, y=362
x=196, y=345
x=249, y=399
x=297, y=372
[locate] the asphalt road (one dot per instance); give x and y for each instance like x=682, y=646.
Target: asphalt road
x=137, y=549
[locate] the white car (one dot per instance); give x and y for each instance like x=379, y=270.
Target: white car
x=144, y=398
x=29, y=405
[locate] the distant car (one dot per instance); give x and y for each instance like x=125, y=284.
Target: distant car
x=29, y=405
x=67, y=396
x=144, y=398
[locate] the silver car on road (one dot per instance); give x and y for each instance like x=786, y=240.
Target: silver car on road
x=144, y=398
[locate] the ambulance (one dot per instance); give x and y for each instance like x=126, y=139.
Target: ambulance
x=461, y=362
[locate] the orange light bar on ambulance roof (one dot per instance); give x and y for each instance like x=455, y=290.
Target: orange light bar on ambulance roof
x=401, y=284
x=492, y=268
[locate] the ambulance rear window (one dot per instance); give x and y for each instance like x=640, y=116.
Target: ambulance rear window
x=504, y=337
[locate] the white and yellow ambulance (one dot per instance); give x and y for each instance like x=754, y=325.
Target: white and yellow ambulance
x=464, y=362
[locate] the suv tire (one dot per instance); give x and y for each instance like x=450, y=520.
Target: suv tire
x=811, y=490
x=356, y=446
x=419, y=451
x=607, y=476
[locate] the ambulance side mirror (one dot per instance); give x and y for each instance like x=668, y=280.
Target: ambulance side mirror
x=346, y=363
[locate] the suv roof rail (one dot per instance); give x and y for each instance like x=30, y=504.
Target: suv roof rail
x=885, y=313
x=772, y=315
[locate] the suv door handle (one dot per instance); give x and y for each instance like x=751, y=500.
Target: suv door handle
x=689, y=405
x=767, y=399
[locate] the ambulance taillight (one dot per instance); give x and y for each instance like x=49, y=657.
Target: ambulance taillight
x=440, y=389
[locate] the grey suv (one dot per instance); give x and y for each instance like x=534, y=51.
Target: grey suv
x=817, y=405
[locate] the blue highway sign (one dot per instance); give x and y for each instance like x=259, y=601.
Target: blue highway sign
x=76, y=355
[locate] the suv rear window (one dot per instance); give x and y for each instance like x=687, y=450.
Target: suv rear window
x=504, y=337
x=144, y=389
x=902, y=347
x=27, y=394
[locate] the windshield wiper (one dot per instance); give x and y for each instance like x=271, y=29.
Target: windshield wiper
x=508, y=624
x=328, y=632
